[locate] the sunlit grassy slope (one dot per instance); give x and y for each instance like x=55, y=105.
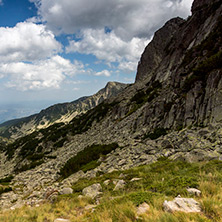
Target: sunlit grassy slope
x=160, y=181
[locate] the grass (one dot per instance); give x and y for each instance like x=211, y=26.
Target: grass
x=160, y=181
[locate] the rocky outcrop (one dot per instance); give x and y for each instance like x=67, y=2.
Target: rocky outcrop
x=188, y=205
x=155, y=52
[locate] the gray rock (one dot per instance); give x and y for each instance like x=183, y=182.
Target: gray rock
x=106, y=182
x=66, y=190
x=135, y=179
x=61, y=220
x=92, y=191
x=188, y=205
x=143, y=208
x=194, y=191
x=120, y=185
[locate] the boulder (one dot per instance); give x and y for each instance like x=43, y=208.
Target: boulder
x=92, y=191
x=143, y=208
x=66, y=190
x=188, y=205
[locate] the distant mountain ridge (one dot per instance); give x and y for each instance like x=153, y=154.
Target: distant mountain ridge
x=62, y=112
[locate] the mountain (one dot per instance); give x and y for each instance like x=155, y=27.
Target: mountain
x=59, y=113
x=173, y=110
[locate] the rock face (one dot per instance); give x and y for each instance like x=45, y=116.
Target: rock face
x=185, y=57
x=59, y=113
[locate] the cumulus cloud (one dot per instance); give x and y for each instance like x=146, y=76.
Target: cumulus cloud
x=103, y=73
x=39, y=75
x=128, y=18
x=113, y=31
x=109, y=47
x=27, y=42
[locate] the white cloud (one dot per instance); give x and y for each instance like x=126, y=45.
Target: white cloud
x=109, y=47
x=1, y=3
x=27, y=42
x=103, y=73
x=39, y=75
x=130, y=23
x=128, y=18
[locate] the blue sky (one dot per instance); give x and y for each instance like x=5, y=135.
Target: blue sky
x=59, y=50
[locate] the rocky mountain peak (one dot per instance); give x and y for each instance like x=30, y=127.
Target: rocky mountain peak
x=155, y=51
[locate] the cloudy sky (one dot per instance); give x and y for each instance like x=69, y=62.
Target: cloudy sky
x=58, y=50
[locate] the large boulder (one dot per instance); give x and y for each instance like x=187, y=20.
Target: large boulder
x=188, y=205
x=92, y=191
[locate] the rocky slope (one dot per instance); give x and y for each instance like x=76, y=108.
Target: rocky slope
x=174, y=109
x=58, y=113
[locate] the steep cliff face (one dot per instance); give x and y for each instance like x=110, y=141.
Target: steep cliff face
x=185, y=57
x=59, y=113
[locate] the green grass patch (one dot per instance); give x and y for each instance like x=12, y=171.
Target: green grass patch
x=85, y=157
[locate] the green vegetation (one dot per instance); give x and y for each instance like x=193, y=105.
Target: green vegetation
x=160, y=181
x=83, y=159
x=157, y=132
x=5, y=190
x=56, y=134
x=29, y=166
x=6, y=180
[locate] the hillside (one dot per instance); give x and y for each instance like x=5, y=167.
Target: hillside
x=173, y=110
x=58, y=113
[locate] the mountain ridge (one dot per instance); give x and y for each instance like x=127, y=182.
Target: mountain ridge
x=62, y=112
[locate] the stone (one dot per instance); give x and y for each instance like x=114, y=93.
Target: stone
x=66, y=190
x=188, y=205
x=120, y=185
x=106, y=182
x=143, y=208
x=135, y=179
x=194, y=191
x=61, y=220
x=92, y=191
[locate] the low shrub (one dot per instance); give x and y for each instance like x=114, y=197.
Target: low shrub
x=84, y=157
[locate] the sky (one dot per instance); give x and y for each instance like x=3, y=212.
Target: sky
x=54, y=51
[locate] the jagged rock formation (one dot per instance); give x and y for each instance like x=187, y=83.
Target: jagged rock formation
x=174, y=110
x=59, y=113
